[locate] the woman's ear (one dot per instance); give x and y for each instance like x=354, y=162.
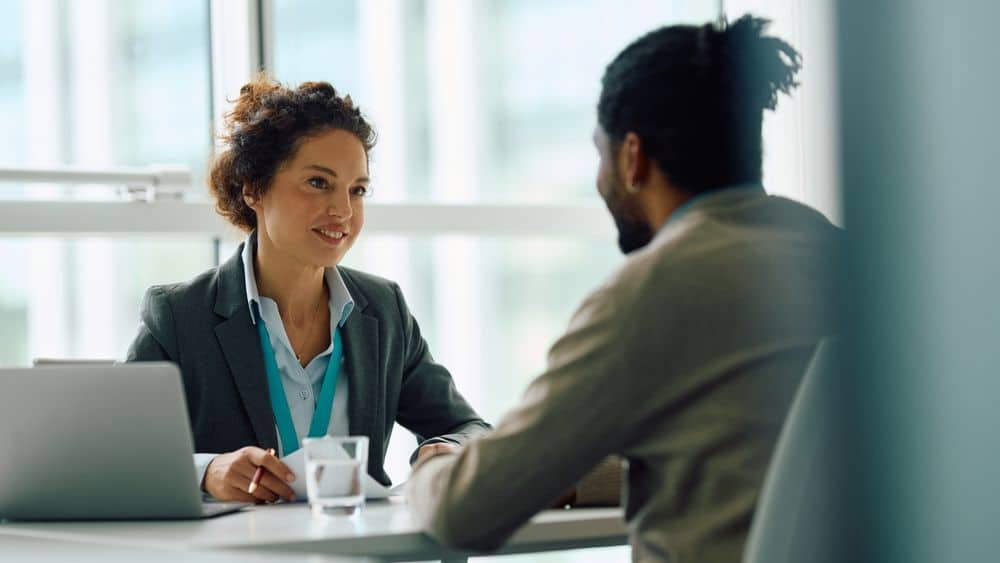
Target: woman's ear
x=248, y=198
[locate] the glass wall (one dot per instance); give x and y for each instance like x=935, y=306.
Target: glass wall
x=12, y=80
x=96, y=84
x=104, y=83
x=475, y=100
x=78, y=297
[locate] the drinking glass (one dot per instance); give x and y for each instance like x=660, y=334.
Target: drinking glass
x=335, y=471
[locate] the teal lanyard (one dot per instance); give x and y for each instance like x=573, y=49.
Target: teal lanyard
x=279, y=403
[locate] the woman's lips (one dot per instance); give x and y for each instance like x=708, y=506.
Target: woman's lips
x=331, y=237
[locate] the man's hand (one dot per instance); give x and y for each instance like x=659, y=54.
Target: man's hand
x=431, y=450
x=228, y=477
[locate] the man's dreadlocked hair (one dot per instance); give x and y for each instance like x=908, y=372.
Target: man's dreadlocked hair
x=695, y=96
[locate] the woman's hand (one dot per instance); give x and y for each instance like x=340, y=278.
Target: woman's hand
x=228, y=477
x=431, y=450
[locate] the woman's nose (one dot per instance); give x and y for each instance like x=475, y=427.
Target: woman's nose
x=340, y=206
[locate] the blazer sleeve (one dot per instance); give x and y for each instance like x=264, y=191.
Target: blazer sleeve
x=430, y=405
x=156, y=340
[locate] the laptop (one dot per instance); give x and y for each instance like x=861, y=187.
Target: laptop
x=98, y=442
x=49, y=362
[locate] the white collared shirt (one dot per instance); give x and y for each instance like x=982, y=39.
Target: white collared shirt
x=301, y=384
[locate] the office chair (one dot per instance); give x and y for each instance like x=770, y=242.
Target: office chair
x=796, y=520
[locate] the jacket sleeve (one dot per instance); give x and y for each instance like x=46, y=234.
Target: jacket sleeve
x=156, y=342
x=430, y=405
x=156, y=339
x=571, y=417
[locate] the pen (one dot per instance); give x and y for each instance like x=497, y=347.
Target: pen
x=255, y=481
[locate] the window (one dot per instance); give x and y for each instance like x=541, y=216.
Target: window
x=95, y=84
x=475, y=101
x=105, y=83
x=79, y=297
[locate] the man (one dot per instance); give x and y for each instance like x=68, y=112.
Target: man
x=685, y=361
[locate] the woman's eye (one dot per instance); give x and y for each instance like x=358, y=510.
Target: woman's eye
x=317, y=182
x=359, y=190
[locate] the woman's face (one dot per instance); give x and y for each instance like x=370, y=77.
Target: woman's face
x=314, y=209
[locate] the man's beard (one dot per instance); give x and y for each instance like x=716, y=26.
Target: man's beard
x=632, y=234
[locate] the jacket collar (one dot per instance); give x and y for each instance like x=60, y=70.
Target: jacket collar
x=241, y=347
x=231, y=294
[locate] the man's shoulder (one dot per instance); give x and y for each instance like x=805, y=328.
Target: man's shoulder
x=765, y=222
x=705, y=247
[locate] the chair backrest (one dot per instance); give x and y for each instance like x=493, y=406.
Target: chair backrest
x=796, y=516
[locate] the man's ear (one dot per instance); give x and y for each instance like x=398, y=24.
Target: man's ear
x=633, y=162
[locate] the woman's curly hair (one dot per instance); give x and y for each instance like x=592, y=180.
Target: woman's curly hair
x=265, y=128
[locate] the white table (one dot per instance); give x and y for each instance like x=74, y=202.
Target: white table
x=35, y=550
x=384, y=531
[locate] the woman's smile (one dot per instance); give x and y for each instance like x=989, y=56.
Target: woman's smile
x=332, y=236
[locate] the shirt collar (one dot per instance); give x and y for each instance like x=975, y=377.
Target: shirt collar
x=711, y=194
x=340, y=298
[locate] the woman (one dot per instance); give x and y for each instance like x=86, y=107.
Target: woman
x=280, y=342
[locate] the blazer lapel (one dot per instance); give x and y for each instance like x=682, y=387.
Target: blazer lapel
x=366, y=386
x=241, y=346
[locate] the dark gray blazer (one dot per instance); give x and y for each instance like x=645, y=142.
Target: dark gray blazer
x=204, y=327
